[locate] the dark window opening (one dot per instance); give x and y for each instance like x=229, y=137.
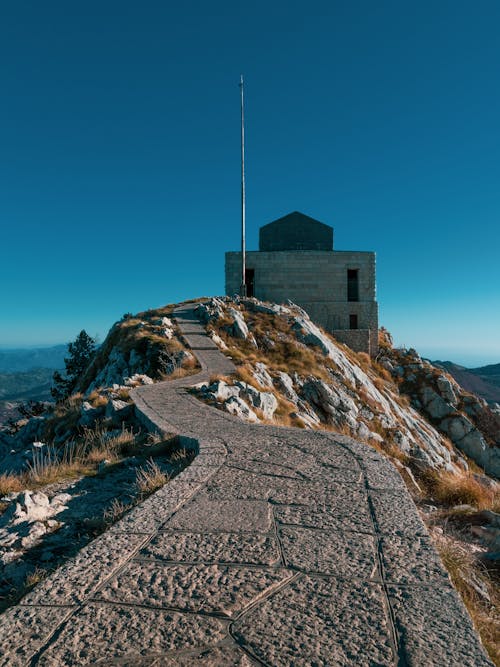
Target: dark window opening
x=352, y=285
x=353, y=321
x=250, y=281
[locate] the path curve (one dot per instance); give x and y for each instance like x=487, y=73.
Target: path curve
x=276, y=546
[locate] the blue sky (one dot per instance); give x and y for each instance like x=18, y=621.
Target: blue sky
x=119, y=155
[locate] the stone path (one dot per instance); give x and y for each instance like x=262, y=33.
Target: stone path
x=275, y=547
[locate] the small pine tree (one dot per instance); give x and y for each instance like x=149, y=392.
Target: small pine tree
x=81, y=351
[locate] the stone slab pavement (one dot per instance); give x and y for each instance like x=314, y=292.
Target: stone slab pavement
x=274, y=547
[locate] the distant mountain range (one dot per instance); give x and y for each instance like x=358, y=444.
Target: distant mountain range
x=483, y=381
x=22, y=360
x=26, y=374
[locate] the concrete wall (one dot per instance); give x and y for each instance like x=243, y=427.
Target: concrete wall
x=359, y=340
x=316, y=281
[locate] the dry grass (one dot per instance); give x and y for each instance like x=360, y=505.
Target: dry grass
x=469, y=576
x=133, y=333
x=150, y=478
x=181, y=455
x=77, y=458
x=245, y=374
x=10, y=483
x=35, y=577
x=65, y=416
x=451, y=489
x=364, y=360
x=96, y=399
x=285, y=353
x=123, y=394
x=284, y=411
x=382, y=372
x=379, y=383
x=190, y=363
x=51, y=465
x=114, y=512
x=217, y=377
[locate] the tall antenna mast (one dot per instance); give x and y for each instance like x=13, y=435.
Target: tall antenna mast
x=243, y=287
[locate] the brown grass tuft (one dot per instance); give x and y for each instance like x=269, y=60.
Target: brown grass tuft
x=469, y=576
x=96, y=399
x=10, y=483
x=459, y=489
x=150, y=478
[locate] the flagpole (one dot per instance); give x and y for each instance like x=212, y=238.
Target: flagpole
x=243, y=288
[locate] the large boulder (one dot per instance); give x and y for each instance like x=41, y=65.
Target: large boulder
x=447, y=390
x=262, y=376
x=256, y=306
x=333, y=402
x=470, y=440
x=237, y=407
x=118, y=411
x=284, y=383
x=435, y=406
x=239, y=328
x=221, y=390
x=263, y=400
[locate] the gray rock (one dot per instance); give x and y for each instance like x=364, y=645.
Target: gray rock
x=89, y=414
x=138, y=379
x=117, y=409
x=237, y=407
x=363, y=431
x=284, y=383
x=446, y=390
x=239, y=328
x=36, y=532
x=264, y=400
x=221, y=390
x=32, y=507
x=262, y=376
x=335, y=404
x=268, y=308
x=434, y=404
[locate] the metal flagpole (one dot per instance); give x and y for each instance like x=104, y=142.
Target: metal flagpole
x=243, y=288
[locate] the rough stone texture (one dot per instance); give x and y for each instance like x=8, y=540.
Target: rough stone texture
x=101, y=634
x=207, y=588
x=277, y=546
x=225, y=515
x=213, y=548
x=24, y=630
x=74, y=582
x=218, y=657
x=412, y=560
x=335, y=553
x=396, y=513
x=320, y=622
x=436, y=628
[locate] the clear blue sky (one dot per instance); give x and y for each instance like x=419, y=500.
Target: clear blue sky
x=119, y=155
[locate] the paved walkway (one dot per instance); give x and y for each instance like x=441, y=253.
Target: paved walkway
x=275, y=547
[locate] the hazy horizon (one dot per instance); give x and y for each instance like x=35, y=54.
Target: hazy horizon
x=469, y=359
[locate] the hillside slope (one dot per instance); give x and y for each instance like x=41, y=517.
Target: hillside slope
x=289, y=372
x=484, y=381
x=292, y=372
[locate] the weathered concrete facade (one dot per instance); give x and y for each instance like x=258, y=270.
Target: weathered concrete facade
x=336, y=288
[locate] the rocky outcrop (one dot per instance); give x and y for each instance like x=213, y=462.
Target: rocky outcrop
x=467, y=420
x=240, y=399
x=335, y=391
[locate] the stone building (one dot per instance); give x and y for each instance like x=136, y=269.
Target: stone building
x=296, y=261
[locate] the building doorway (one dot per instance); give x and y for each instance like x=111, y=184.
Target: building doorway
x=250, y=281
